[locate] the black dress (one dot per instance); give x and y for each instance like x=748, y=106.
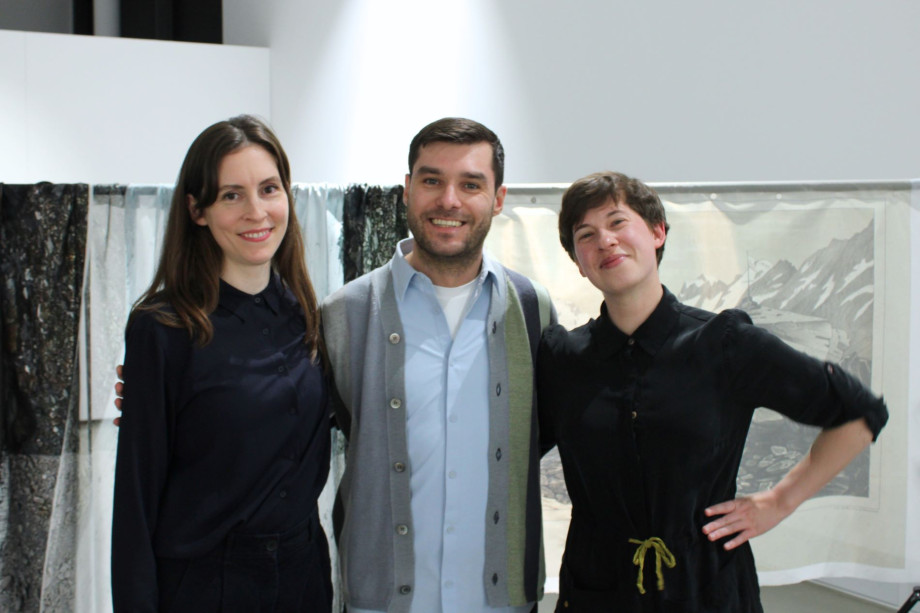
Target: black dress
x=650, y=430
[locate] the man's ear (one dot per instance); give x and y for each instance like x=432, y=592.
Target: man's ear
x=500, y=194
x=194, y=213
x=405, y=198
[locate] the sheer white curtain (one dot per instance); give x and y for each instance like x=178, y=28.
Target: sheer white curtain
x=126, y=228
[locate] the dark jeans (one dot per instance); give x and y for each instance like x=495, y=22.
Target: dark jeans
x=267, y=573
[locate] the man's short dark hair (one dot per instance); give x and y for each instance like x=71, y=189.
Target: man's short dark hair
x=460, y=131
x=601, y=187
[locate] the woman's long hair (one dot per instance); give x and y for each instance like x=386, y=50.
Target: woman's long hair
x=186, y=286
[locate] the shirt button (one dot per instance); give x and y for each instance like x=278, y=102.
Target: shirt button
x=631, y=342
x=281, y=369
x=404, y=589
x=258, y=299
x=271, y=545
x=453, y=419
x=830, y=369
x=498, y=389
x=452, y=474
x=394, y=338
x=450, y=529
x=448, y=583
x=395, y=403
x=494, y=327
x=265, y=331
x=498, y=454
x=634, y=414
x=399, y=467
x=283, y=493
x=402, y=529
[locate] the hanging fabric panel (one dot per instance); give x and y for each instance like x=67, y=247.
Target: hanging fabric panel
x=374, y=221
x=42, y=246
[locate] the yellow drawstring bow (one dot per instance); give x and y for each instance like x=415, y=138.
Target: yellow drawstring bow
x=661, y=553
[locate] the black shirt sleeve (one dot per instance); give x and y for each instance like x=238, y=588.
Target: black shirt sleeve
x=151, y=361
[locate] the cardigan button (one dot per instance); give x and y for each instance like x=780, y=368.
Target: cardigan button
x=394, y=338
x=402, y=529
x=399, y=467
x=395, y=403
x=404, y=589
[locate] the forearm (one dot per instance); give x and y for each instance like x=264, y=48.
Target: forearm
x=831, y=452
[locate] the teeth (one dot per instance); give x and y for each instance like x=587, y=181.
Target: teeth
x=446, y=223
x=259, y=234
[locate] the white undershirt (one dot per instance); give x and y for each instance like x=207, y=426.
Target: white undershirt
x=454, y=302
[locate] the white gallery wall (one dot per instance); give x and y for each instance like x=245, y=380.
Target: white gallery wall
x=666, y=90
x=103, y=110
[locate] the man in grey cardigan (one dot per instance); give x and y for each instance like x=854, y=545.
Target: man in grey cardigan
x=433, y=357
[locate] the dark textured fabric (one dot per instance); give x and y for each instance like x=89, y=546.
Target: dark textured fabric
x=230, y=438
x=374, y=219
x=42, y=245
x=650, y=429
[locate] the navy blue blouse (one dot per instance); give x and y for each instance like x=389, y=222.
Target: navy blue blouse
x=650, y=430
x=232, y=436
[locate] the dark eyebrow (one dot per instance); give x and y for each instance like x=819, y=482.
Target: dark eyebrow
x=271, y=179
x=611, y=213
x=431, y=170
x=478, y=176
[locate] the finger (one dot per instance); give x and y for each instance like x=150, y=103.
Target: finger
x=120, y=388
x=119, y=370
x=118, y=404
x=117, y=421
x=725, y=531
x=739, y=540
x=722, y=508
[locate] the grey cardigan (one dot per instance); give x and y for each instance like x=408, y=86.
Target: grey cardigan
x=364, y=339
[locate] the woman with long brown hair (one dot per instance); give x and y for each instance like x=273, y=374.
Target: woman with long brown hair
x=224, y=443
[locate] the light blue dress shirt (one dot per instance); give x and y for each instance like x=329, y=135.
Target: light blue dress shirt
x=447, y=403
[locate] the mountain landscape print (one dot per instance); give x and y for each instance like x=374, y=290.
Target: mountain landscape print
x=823, y=307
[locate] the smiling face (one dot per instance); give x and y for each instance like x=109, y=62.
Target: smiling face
x=451, y=199
x=249, y=218
x=615, y=250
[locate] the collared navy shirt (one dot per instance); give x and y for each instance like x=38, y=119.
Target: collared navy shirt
x=651, y=428
x=231, y=436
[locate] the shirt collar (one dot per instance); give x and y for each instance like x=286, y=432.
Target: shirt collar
x=403, y=273
x=237, y=301
x=607, y=339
